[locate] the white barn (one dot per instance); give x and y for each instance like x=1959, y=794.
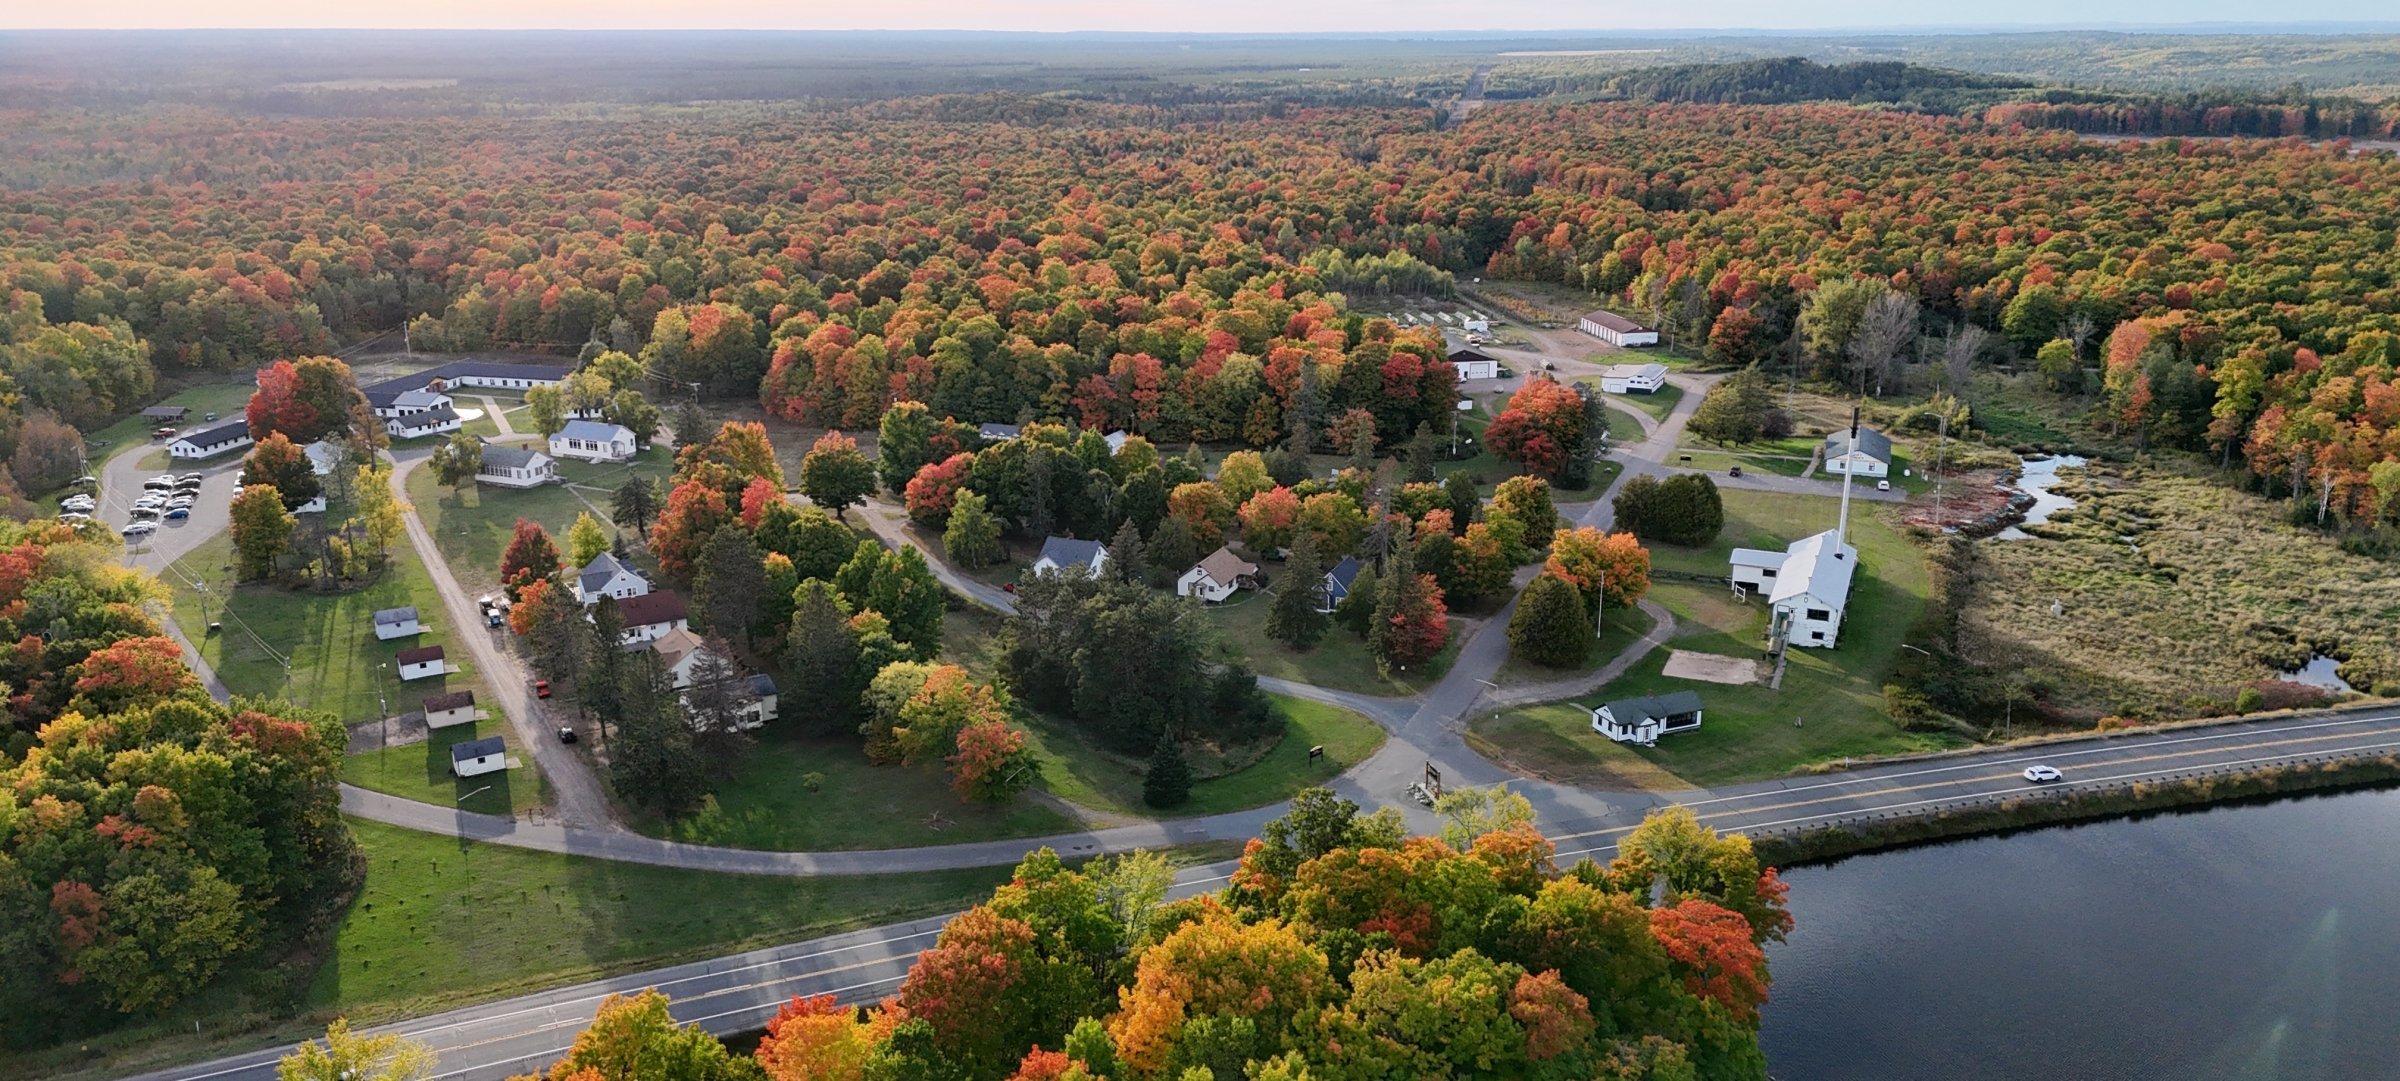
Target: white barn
x=1616, y=330
x=1633, y=378
x=210, y=442
x=1807, y=586
x=1473, y=364
x=1869, y=456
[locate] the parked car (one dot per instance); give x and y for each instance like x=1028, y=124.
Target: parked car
x=178, y=514
x=139, y=529
x=139, y=513
x=157, y=484
x=162, y=433
x=1883, y=486
x=541, y=688
x=212, y=416
x=74, y=516
x=77, y=502
x=87, y=481
x=180, y=501
x=1734, y=472
x=2042, y=774
x=566, y=734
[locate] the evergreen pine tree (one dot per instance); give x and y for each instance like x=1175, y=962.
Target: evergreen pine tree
x=1465, y=502
x=1549, y=627
x=1128, y=557
x=973, y=537
x=1172, y=550
x=1391, y=593
x=1294, y=619
x=1420, y=455
x=1359, y=605
x=1168, y=781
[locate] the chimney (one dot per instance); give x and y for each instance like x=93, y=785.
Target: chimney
x=1841, y=533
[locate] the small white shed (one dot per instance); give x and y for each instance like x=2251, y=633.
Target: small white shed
x=393, y=623
x=476, y=757
x=421, y=662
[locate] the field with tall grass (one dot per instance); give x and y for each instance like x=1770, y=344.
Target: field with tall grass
x=2173, y=591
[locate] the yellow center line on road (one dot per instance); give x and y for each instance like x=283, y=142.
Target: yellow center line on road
x=1901, y=789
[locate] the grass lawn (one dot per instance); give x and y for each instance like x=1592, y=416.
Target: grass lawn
x=482, y=423
x=1073, y=769
x=1717, y=462
x=471, y=525
x=1340, y=661
x=1622, y=427
x=1749, y=732
x=421, y=771
x=422, y=935
x=1658, y=403
x=766, y=804
x=1619, y=628
x=335, y=661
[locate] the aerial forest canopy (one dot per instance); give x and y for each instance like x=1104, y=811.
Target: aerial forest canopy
x=999, y=257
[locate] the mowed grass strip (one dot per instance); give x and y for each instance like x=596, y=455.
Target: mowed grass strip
x=441, y=922
x=471, y=525
x=421, y=771
x=768, y=803
x=1074, y=770
x=1340, y=660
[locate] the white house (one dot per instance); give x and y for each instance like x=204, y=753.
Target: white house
x=593, y=441
x=477, y=757
x=650, y=615
x=424, y=422
x=1633, y=378
x=393, y=623
x=1059, y=553
x=998, y=433
x=1116, y=440
x=323, y=457
x=421, y=662
x=1473, y=364
x=606, y=576
x=210, y=442
x=1336, y=586
x=1217, y=577
x=313, y=506
x=762, y=707
x=679, y=651
x=482, y=373
x=1871, y=456
x=1616, y=329
x=449, y=708
x=516, y=467
x=1643, y=720
x=1807, y=586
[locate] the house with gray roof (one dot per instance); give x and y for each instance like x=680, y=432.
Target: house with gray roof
x=476, y=757
x=1060, y=553
x=593, y=441
x=1871, y=456
x=607, y=576
x=1642, y=720
x=393, y=623
x=516, y=467
x=1336, y=585
x=438, y=420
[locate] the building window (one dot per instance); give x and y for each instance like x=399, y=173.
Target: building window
x=1820, y=615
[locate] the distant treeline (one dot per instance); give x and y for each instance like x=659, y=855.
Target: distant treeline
x=1783, y=80
x=2292, y=113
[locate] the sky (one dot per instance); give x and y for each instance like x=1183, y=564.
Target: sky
x=1177, y=16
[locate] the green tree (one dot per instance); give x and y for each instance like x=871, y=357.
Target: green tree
x=835, y=475
x=1358, y=606
x=728, y=584
x=908, y=595
x=277, y=463
x=1468, y=812
x=585, y=540
x=972, y=538
x=546, y=408
x=1419, y=459
x=1128, y=557
x=458, y=459
x=634, y=505
x=634, y=1038
x=904, y=443
x=1168, y=780
x=653, y=762
x=262, y=529
x=631, y=409
x=2060, y=369
x=348, y=1056
x=1527, y=499
x=1172, y=550
x=1294, y=619
x=1465, y=501
x=824, y=659
x=1550, y=627
x=379, y=507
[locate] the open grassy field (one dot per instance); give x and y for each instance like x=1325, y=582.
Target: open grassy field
x=421, y=771
x=471, y=525
x=1074, y=770
x=334, y=660
x=2173, y=591
x=1340, y=660
x=1658, y=404
x=1749, y=734
x=768, y=804
x=1619, y=628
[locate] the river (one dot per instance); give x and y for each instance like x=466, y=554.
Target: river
x=2243, y=943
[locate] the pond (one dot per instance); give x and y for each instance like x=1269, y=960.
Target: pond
x=2034, y=478
x=2226, y=944
x=2320, y=671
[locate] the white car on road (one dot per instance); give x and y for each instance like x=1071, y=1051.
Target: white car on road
x=2042, y=774
x=139, y=529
